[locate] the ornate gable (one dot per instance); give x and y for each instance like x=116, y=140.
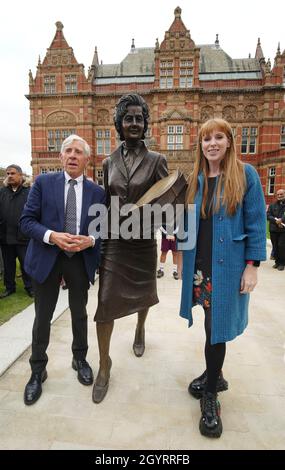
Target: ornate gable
x=177, y=57
x=59, y=52
x=178, y=36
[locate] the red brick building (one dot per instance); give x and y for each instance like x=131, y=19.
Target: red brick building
x=183, y=83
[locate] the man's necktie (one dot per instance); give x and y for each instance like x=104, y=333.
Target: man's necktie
x=70, y=212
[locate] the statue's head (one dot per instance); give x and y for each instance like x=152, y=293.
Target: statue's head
x=121, y=109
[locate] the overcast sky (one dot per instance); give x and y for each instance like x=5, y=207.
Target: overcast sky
x=27, y=29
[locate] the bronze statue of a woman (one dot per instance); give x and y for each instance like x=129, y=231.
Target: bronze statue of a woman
x=127, y=280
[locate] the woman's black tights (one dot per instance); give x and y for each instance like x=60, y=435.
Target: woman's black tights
x=214, y=355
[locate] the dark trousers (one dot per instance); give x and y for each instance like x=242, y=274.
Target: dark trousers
x=278, y=244
x=46, y=296
x=10, y=253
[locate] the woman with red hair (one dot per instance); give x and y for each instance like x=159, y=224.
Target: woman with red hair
x=220, y=272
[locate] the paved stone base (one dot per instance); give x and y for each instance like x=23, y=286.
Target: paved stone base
x=148, y=405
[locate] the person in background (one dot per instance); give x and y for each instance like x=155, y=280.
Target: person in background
x=1, y=264
x=220, y=272
x=13, y=242
x=275, y=213
x=168, y=243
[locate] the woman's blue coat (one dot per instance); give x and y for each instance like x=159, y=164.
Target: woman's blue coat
x=236, y=239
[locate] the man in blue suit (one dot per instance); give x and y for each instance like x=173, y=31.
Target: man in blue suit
x=56, y=219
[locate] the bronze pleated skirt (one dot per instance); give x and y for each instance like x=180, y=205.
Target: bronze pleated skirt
x=127, y=278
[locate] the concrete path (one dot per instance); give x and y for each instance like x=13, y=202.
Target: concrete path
x=148, y=406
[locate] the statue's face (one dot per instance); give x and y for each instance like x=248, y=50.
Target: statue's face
x=133, y=123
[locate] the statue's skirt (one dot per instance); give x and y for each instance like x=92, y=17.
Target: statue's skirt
x=127, y=278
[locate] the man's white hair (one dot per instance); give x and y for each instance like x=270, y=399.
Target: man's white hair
x=73, y=137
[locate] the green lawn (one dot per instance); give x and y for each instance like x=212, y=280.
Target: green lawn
x=15, y=302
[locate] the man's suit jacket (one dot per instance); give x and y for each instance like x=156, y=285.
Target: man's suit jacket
x=44, y=211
